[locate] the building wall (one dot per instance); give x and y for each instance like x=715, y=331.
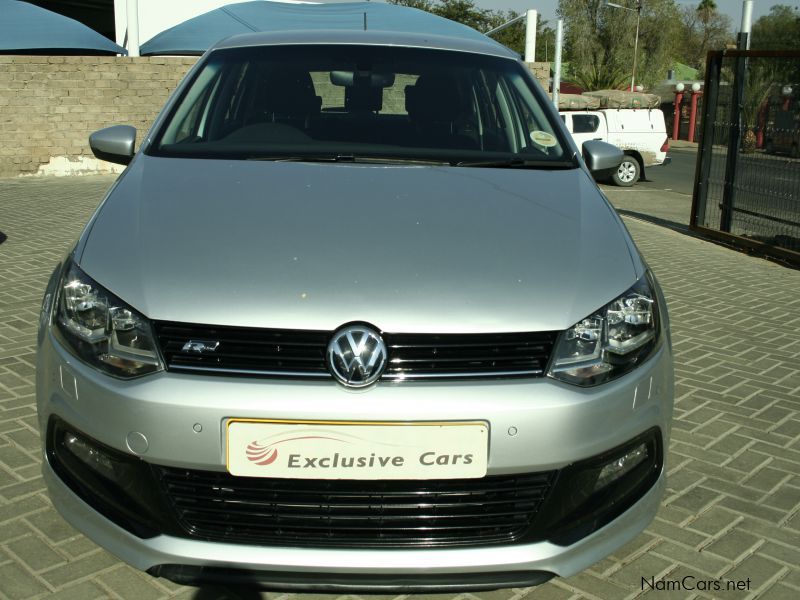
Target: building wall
x=50, y=104
x=541, y=72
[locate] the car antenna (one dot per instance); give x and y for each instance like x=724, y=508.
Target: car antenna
x=365, y=20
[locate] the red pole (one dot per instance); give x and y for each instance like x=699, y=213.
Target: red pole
x=693, y=115
x=762, y=123
x=676, y=121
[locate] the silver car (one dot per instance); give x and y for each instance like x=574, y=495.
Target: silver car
x=355, y=317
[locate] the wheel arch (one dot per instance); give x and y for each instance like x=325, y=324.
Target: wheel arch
x=635, y=154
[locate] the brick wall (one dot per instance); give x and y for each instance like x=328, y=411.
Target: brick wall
x=50, y=104
x=541, y=71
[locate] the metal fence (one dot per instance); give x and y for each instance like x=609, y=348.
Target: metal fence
x=747, y=186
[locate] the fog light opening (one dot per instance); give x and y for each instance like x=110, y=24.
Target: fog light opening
x=622, y=465
x=92, y=457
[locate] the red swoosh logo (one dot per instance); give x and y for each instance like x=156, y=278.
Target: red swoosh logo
x=266, y=455
x=261, y=455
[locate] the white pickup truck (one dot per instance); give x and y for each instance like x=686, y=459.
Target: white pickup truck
x=639, y=132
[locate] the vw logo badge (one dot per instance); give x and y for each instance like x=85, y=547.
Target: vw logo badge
x=356, y=356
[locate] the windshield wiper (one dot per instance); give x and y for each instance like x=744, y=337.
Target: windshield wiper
x=354, y=158
x=304, y=158
x=517, y=163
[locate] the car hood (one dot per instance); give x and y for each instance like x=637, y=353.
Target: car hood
x=317, y=245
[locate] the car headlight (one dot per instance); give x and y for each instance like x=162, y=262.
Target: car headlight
x=612, y=341
x=103, y=330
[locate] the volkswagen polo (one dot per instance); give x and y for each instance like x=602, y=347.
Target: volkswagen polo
x=355, y=317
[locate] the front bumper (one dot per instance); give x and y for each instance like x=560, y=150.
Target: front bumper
x=178, y=421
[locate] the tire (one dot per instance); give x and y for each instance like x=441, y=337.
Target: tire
x=628, y=172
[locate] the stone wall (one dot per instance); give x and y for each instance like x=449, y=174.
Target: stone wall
x=50, y=104
x=541, y=72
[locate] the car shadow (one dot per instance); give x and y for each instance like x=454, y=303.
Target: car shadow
x=218, y=592
x=3, y=237
x=674, y=225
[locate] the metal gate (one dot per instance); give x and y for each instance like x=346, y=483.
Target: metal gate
x=747, y=181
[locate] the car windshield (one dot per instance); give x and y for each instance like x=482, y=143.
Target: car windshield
x=362, y=103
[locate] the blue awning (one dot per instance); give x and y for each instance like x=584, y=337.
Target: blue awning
x=25, y=29
x=197, y=35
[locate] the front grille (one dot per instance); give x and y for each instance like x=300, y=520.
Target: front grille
x=219, y=507
x=301, y=353
x=244, y=350
x=423, y=356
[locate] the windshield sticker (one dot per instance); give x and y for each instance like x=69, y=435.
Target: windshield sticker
x=543, y=138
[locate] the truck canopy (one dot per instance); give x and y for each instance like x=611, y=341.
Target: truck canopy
x=623, y=99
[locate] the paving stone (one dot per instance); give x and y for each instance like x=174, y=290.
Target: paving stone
x=765, y=479
x=644, y=567
x=127, y=583
x=758, y=569
x=786, y=499
x=779, y=591
x=731, y=487
x=696, y=499
x=35, y=553
x=12, y=530
x=752, y=509
x=21, y=508
x=51, y=524
x=636, y=546
x=748, y=461
x=597, y=587
x=711, y=565
x=682, y=535
x=548, y=591
x=79, y=568
x=77, y=546
x=19, y=583
x=789, y=556
x=13, y=457
x=734, y=545
x=25, y=438
x=683, y=582
x=85, y=590
x=507, y=594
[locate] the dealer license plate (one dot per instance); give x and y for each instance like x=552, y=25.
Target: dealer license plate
x=357, y=450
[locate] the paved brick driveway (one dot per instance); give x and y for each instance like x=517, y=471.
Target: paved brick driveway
x=731, y=512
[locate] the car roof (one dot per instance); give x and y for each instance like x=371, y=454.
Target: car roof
x=473, y=45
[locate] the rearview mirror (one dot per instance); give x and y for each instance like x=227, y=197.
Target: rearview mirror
x=114, y=144
x=373, y=79
x=601, y=158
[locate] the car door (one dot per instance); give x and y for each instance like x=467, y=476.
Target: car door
x=585, y=126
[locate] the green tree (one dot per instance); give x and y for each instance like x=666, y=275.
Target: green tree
x=779, y=30
x=465, y=11
x=514, y=36
x=462, y=11
x=599, y=41
x=704, y=28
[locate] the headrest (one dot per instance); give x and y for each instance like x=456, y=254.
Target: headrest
x=291, y=92
x=363, y=98
x=434, y=99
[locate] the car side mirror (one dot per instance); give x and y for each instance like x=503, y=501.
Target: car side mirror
x=114, y=144
x=601, y=158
